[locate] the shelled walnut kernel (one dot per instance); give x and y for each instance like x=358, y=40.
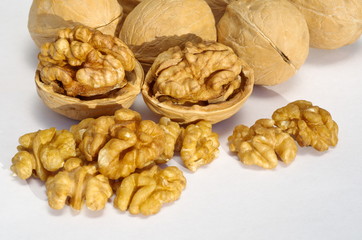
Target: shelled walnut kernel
x=262, y=144
x=200, y=145
x=146, y=192
x=43, y=152
x=310, y=125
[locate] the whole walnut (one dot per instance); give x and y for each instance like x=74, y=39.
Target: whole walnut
x=47, y=17
x=154, y=26
x=271, y=36
x=332, y=23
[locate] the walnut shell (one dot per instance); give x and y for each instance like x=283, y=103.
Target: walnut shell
x=218, y=7
x=154, y=26
x=332, y=24
x=47, y=17
x=182, y=83
x=78, y=109
x=271, y=36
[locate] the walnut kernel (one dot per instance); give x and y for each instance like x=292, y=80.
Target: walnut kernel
x=262, y=144
x=310, y=125
x=146, y=192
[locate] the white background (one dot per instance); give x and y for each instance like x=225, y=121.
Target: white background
x=318, y=196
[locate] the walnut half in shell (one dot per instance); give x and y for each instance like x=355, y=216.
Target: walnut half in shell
x=85, y=73
x=204, y=81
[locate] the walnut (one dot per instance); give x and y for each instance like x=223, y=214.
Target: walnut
x=47, y=17
x=172, y=132
x=43, y=152
x=154, y=26
x=310, y=125
x=85, y=73
x=76, y=184
x=146, y=192
x=262, y=144
x=204, y=81
x=129, y=149
x=271, y=36
x=332, y=24
x=200, y=145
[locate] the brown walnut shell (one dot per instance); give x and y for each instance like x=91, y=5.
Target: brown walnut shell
x=78, y=109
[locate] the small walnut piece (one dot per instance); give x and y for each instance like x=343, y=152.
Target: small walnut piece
x=172, y=132
x=146, y=192
x=332, y=24
x=271, y=36
x=310, y=125
x=154, y=26
x=204, y=81
x=78, y=184
x=86, y=66
x=200, y=146
x=262, y=144
x=47, y=17
x=43, y=152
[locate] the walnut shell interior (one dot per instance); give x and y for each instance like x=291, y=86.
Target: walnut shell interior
x=80, y=108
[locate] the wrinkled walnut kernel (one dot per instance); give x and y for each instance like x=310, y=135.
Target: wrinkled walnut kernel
x=200, y=145
x=77, y=184
x=310, y=125
x=172, y=132
x=43, y=152
x=206, y=72
x=146, y=192
x=85, y=62
x=262, y=144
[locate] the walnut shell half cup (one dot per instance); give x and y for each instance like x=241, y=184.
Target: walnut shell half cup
x=78, y=109
x=189, y=113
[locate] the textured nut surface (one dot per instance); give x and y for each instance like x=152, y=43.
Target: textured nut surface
x=78, y=184
x=310, y=125
x=85, y=62
x=262, y=144
x=154, y=26
x=204, y=81
x=47, y=17
x=271, y=36
x=218, y=7
x=85, y=73
x=172, y=132
x=43, y=152
x=200, y=146
x=146, y=192
x=121, y=143
x=332, y=24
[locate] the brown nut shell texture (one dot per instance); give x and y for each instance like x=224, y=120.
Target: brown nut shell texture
x=154, y=26
x=47, y=17
x=200, y=146
x=262, y=144
x=146, y=192
x=85, y=73
x=332, y=24
x=204, y=81
x=310, y=125
x=271, y=36
x=43, y=152
x=76, y=184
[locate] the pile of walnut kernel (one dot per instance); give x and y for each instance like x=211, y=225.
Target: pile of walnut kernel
x=119, y=154
x=123, y=155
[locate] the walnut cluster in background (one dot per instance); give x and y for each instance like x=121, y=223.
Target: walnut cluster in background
x=271, y=139
x=118, y=154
